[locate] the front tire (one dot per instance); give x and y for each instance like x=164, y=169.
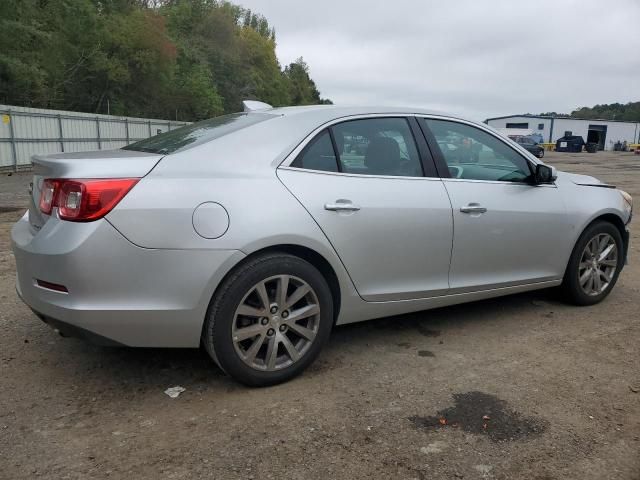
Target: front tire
x=595, y=264
x=269, y=319
x=541, y=154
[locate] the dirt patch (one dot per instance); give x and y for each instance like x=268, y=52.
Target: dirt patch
x=428, y=332
x=426, y=353
x=483, y=414
x=72, y=410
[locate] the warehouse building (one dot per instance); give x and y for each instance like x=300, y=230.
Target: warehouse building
x=603, y=132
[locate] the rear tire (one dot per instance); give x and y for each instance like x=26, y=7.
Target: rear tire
x=541, y=154
x=269, y=319
x=595, y=264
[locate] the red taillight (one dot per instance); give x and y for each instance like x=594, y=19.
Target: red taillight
x=83, y=200
x=48, y=195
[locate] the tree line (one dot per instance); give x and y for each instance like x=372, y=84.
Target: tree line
x=627, y=112
x=174, y=59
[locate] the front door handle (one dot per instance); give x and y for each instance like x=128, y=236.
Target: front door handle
x=341, y=206
x=473, y=208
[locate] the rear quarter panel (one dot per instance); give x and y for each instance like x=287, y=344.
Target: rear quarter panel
x=157, y=214
x=237, y=171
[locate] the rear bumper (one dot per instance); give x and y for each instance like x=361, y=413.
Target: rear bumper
x=69, y=330
x=118, y=293
x=626, y=241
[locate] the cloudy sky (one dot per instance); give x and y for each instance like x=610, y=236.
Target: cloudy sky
x=476, y=58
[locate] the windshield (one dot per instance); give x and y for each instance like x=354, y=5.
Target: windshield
x=197, y=133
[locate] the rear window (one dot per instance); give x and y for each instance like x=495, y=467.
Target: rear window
x=197, y=133
x=318, y=155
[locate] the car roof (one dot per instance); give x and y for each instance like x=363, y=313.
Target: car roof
x=323, y=113
x=278, y=137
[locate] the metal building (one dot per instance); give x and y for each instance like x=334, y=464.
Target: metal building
x=603, y=132
x=28, y=131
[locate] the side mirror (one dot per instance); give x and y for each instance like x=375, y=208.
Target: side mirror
x=544, y=174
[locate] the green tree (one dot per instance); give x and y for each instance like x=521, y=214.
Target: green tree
x=262, y=78
x=163, y=58
x=196, y=97
x=23, y=78
x=554, y=114
x=615, y=111
x=134, y=67
x=302, y=88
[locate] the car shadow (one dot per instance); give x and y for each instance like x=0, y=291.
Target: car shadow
x=154, y=368
x=431, y=323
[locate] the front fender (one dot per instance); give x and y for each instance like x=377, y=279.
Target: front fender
x=586, y=204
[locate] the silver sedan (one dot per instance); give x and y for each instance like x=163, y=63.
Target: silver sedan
x=253, y=234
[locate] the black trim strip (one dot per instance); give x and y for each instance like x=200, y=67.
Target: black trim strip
x=426, y=159
x=67, y=330
x=598, y=185
x=434, y=148
x=336, y=153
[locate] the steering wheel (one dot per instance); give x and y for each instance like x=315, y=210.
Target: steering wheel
x=511, y=177
x=455, y=171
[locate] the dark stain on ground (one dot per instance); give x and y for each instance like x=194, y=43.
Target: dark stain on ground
x=404, y=344
x=410, y=321
x=427, y=332
x=398, y=322
x=425, y=353
x=9, y=209
x=483, y=414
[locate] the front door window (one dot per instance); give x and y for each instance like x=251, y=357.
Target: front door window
x=473, y=154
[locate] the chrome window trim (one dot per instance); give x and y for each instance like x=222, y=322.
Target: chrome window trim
x=524, y=153
x=286, y=163
x=436, y=179
x=359, y=175
x=500, y=182
x=288, y=160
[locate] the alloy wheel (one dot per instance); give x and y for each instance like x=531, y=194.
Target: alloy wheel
x=276, y=322
x=598, y=264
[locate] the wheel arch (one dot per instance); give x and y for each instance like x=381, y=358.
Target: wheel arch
x=608, y=217
x=611, y=218
x=308, y=254
x=617, y=221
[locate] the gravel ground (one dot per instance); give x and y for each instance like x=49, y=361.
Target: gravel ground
x=518, y=387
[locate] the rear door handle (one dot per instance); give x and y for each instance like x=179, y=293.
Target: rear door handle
x=473, y=208
x=341, y=206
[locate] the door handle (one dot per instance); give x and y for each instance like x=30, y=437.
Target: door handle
x=473, y=208
x=341, y=206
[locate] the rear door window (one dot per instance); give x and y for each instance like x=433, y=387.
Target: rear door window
x=318, y=154
x=377, y=146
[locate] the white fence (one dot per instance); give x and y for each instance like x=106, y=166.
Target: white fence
x=28, y=131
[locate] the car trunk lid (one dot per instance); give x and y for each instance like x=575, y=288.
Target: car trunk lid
x=85, y=165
